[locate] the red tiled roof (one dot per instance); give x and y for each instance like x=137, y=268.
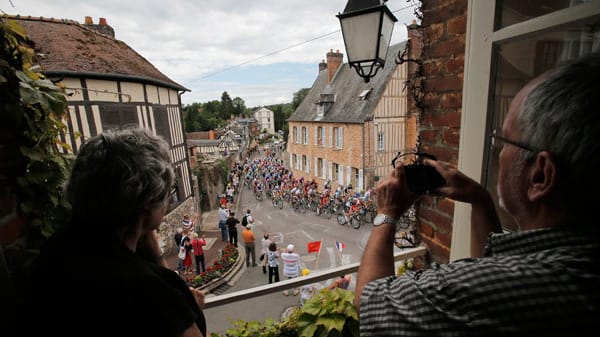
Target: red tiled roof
x=70, y=48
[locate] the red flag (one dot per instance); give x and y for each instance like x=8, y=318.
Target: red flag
x=314, y=246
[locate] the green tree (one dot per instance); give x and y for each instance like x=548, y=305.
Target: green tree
x=239, y=106
x=227, y=108
x=299, y=97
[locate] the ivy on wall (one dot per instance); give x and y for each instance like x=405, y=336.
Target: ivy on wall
x=34, y=108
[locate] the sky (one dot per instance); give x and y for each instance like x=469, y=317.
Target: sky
x=262, y=51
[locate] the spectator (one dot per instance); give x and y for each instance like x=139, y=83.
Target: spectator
x=273, y=262
x=223, y=215
x=198, y=244
x=342, y=282
x=265, y=243
x=308, y=290
x=248, y=237
x=118, y=188
x=178, y=243
x=291, y=265
x=231, y=225
x=187, y=244
x=540, y=280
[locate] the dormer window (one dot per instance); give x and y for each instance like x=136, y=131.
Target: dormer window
x=365, y=94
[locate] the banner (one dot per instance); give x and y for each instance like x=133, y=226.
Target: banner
x=314, y=246
x=340, y=246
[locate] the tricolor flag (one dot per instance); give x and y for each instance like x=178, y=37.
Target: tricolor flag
x=314, y=246
x=340, y=246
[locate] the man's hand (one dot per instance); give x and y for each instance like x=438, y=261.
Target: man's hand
x=393, y=196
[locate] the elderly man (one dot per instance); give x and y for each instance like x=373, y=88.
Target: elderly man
x=539, y=281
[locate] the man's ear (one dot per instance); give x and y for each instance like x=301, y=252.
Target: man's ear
x=542, y=176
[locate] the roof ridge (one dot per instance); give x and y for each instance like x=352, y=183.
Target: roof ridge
x=39, y=18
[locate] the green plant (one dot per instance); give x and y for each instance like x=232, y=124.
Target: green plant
x=37, y=107
x=330, y=313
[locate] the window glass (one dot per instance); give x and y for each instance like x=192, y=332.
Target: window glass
x=515, y=11
x=519, y=61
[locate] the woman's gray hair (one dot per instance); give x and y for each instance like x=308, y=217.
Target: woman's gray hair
x=561, y=115
x=117, y=176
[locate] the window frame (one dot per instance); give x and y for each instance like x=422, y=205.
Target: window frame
x=481, y=39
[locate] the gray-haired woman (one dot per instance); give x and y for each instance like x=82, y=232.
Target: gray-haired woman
x=103, y=274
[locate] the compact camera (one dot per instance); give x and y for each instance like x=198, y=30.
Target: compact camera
x=421, y=178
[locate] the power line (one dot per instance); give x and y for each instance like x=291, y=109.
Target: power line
x=286, y=48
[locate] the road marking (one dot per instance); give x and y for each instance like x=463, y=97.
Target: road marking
x=332, y=258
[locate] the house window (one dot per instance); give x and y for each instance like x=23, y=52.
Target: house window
x=336, y=172
x=294, y=161
x=518, y=53
x=304, y=135
x=380, y=142
x=305, y=164
x=320, y=136
x=296, y=136
x=320, y=111
x=338, y=138
x=320, y=169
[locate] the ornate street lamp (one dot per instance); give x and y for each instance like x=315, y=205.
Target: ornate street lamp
x=367, y=30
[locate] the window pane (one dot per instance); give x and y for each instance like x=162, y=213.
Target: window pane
x=515, y=11
x=519, y=61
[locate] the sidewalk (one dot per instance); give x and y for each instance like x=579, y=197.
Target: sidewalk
x=214, y=244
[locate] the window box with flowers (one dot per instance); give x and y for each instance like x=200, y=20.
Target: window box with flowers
x=214, y=273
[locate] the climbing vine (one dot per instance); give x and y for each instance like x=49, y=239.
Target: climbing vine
x=36, y=107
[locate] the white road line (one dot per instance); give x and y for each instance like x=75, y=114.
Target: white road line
x=332, y=258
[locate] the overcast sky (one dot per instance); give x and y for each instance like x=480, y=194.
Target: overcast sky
x=259, y=50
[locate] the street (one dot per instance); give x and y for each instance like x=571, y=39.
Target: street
x=285, y=226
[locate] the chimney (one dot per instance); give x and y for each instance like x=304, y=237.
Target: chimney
x=334, y=61
x=102, y=27
x=415, y=40
x=322, y=65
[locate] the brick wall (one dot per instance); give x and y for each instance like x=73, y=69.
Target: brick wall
x=444, y=27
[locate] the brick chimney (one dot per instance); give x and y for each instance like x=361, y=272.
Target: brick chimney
x=102, y=27
x=334, y=61
x=415, y=40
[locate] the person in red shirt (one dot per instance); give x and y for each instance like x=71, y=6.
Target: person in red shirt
x=197, y=244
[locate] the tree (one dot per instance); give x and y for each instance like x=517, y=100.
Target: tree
x=239, y=106
x=227, y=108
x=299, y=97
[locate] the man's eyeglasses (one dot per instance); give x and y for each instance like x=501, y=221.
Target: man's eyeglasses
x=497, y=140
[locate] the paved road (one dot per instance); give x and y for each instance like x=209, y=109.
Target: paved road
x=285, y=226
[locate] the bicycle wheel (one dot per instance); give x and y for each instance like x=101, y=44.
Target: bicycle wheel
x=355, y=222
x=329, y=211
x=341, y=219
x=303, y=207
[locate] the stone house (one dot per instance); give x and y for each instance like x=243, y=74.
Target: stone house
x=265, y=119
x=347, y=130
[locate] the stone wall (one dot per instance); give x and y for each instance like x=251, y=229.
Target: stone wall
x=172, y=221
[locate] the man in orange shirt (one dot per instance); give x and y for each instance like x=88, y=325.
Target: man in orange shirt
x=248, y=237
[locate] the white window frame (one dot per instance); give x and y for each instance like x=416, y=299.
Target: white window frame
x=480, y=41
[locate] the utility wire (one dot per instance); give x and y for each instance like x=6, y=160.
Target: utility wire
x=284, y=49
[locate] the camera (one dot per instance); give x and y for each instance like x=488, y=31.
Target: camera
x=421, y=178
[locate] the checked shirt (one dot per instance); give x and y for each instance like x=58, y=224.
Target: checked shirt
x=543, y=282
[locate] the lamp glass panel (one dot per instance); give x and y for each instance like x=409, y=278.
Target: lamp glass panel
x=360, y=34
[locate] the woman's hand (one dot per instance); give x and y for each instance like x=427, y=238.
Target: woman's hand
x=199, y=296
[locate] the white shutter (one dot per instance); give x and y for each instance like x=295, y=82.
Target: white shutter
x=349, y=174
x=341, y=144
x=316, y=136
x=360, y=180
x=291, y=161
x=316, y=162
x=330, y=170
x=341, y=174
x=331, y=136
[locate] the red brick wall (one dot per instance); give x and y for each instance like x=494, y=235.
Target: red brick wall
x=444, y=27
